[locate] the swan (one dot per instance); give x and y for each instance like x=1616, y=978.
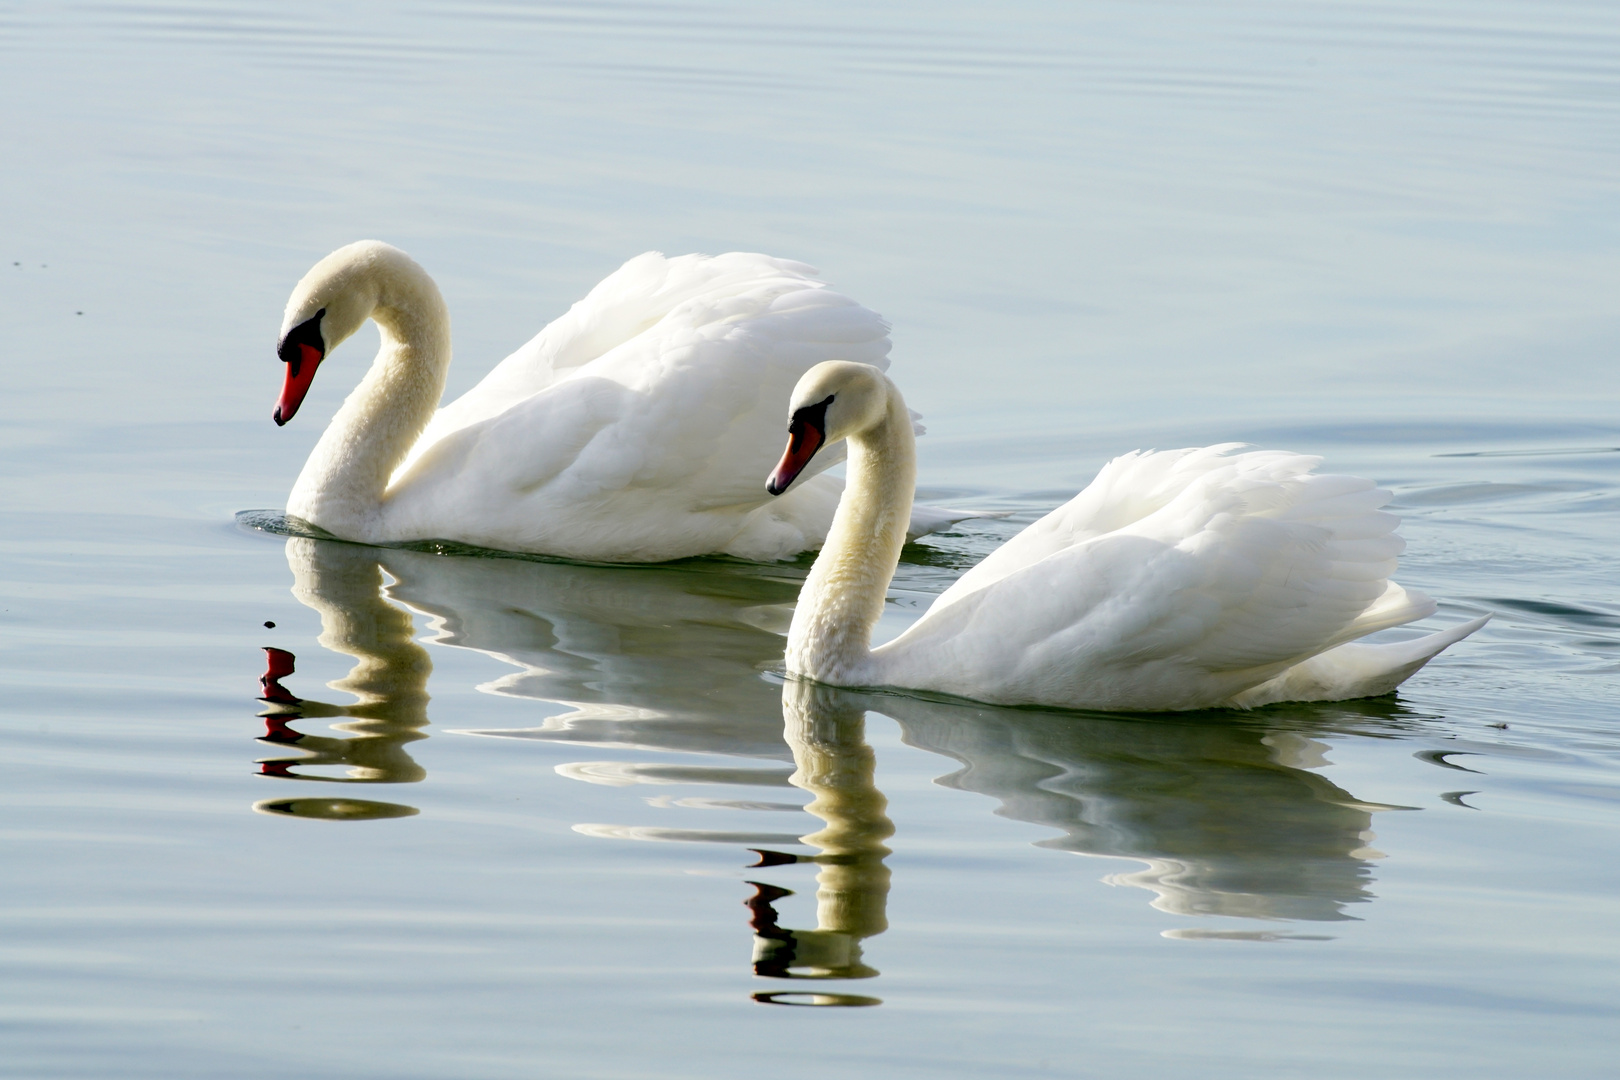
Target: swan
x=629, y=430
x=1184, y=579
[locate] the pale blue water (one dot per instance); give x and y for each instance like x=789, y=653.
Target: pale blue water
x=1382, y=233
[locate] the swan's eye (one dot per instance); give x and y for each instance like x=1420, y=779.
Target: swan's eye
x=814, y=416
x=303, y=344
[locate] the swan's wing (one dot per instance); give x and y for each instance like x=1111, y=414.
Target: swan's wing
x=1125, y=491
x=1252, y=566
x=489, y=463
x=685, y=418
x=1281, y=564
x=628, y=302
x=711, y=385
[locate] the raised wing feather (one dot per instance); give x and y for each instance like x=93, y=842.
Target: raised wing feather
x=1124, y=491
x=714, y=380
x=632, y=301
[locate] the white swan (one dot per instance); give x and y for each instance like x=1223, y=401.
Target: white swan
x=632, y=429
x=1187, y=579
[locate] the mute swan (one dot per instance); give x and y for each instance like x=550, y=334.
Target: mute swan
x=629, y=430
x=1187, y=579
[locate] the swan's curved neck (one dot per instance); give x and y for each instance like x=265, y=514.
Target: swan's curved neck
x=830, y=639
x=346, y=477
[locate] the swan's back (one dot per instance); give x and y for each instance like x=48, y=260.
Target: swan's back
x=1175, y=580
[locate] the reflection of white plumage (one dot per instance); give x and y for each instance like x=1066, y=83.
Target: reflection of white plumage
x=1178, y=580
x=1230, y=819
x=634, y=428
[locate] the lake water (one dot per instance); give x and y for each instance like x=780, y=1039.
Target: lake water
x=506, y=828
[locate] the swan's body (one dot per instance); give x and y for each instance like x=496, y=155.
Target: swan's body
x=631, y=429
x=1187, y=579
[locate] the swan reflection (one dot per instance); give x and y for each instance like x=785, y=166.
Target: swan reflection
x=659, y=657
x=1226, y=814
x=1224, y=810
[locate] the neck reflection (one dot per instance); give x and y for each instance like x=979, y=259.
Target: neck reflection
x=826, y=730
x=344, y=584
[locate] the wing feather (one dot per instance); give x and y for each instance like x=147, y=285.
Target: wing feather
x=669, y=301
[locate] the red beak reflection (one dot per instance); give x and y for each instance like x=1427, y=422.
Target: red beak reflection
x=278, y=664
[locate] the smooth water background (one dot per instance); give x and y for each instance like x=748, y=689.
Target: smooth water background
x=1385, y=233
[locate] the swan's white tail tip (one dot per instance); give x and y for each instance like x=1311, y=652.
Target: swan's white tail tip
x=1429, y=646
x=1356, y=670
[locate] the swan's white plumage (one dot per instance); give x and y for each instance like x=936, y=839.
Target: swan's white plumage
x=633, y=428
x=629, y=304
x=1181, y=579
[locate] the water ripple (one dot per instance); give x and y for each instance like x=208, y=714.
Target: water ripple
x=1438, y=57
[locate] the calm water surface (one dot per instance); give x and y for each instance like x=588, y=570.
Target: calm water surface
x=517, y=818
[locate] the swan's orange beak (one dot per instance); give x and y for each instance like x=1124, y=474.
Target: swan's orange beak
x=804, y=439
x=300, y=375
x=302, y=350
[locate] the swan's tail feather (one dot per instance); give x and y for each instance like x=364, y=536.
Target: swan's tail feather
x=1357, y=670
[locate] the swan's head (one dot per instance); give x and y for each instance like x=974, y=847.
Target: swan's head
x=833, y=401
x=331, y=302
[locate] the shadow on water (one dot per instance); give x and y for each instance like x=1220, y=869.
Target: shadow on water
x=1225, y=810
